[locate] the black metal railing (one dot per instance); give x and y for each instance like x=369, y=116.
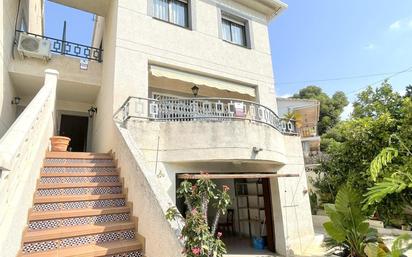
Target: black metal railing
x=63, y=47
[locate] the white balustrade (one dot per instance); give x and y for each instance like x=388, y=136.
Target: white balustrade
x=174, y=109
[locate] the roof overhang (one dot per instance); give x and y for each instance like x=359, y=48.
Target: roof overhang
x=271, y=8
x=236, y=176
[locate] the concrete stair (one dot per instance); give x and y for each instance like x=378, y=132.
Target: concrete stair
x=80, y=209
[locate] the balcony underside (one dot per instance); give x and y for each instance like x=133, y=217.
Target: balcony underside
x=74, y=84
x=99, y=7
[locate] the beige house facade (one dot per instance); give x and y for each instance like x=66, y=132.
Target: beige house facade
x=167, y=89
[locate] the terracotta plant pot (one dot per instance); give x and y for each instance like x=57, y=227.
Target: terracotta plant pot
x=59, y=144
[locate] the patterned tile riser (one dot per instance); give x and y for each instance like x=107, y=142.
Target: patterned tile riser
x=77, y=241
x=79, y=191
x=60, y=180
x=79, y=205
x=130, y=254
x=91, y=220
x=59, y=161
x=77, y=169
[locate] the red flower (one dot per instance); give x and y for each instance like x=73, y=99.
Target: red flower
x=219, y=234
x=226, y=188
x=196, y=250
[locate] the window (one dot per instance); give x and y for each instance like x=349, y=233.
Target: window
x=173, y=11
x=234, y=31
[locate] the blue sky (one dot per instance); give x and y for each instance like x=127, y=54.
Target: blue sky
x=319, y=39
x=313, y=40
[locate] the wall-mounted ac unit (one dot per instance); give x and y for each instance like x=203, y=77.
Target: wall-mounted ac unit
x=34, y=47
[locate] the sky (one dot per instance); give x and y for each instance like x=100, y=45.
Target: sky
x=318, y=42
x=321, y=40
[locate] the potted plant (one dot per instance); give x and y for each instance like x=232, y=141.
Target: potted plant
x=59, y=143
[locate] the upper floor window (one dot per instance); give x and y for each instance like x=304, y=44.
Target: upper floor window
x=173, y=11
x=234, y=30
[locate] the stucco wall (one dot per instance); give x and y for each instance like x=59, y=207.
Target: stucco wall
x=8, y=13
x=225, y=147
x=208, y=141
x=292, y=213
x=141, y=40
x=22, y=152
x=7, y=111
x=103, y=122
x=150, y=201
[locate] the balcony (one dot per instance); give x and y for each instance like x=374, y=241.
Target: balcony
x=207, y=130
x=62, y=47
x=202, y=109
x=308, y=130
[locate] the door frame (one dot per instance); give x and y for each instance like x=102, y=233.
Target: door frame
x=81, y=114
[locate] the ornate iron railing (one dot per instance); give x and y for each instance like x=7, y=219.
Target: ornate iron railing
x=62, y=47
x=199, y=109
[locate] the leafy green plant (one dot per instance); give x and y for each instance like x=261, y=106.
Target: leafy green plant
x=401, y=245
x=396, y=183
x=348, y=227
x=201, y=239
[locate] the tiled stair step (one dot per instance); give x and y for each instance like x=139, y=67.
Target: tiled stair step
x=37, y=216
x=74, y=231
x=51, y=239
x=70, y=160
x=78, y=185
x=94, y=179
x=123, y=248
x=79, y=174
x=77, y=155
x=75, y=198
x=81, y=164
x=76, y=205
x=79, y=221
x=53, y=170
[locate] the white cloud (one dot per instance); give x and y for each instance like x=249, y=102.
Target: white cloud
x=395, y=26
x=347, y=112
x=370, y=46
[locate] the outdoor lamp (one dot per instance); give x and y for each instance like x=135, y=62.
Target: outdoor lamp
x=92, y=111
x=16, y=100
x=195, y=90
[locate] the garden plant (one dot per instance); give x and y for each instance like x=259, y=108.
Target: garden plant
x=200, y=238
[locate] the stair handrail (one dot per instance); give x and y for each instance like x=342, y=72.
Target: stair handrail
x=18, y=133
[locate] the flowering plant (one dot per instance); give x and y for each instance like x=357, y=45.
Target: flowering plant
x=201, y=239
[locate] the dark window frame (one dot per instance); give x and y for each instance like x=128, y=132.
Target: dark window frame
x=187, y=13
x=238, y=20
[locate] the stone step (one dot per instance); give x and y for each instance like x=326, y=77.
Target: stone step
x=76, y=205
x=39, y=241
x=74, y=231
x=78, y=174
x=47, y=170
x=79, y=221
x=78, y=185
x=123, y=248
x=77, y=155
x=72, y=180
x=50, y=161
x=80, y=164
x=75, y=198
x=36, y=216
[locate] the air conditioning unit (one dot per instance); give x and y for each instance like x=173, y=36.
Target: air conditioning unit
x=33, y=46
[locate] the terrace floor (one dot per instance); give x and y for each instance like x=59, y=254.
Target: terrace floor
x=242, y=247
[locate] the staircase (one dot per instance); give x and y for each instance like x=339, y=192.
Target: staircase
x=80, y=209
